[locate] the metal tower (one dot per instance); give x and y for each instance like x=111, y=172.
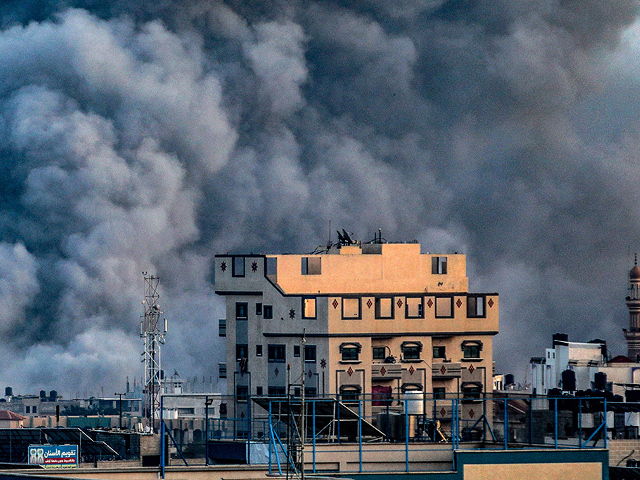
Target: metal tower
x=152, y=330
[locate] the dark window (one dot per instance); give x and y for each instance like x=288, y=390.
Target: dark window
x=439, y=265
x=296, y=350
x=242, y=309
x=259, y=390
x=444, y=307
x=439, y=352
x=475, y=306
x=471, y=349
x=439, y=393
x=379, y=353
x=310, y=353
x=222, y=370
x=296, y=391
x=258, y=309
x=268, y=312
x=309, y=307
x=272, y=266
x=242, y=392
x=276, y=391
x=258, y=350
x=277, y=353
x=238, y=267
x=350, y=393
x=311, y=266
x=471, y=391
x=411, y=350
x=414, y=307
x=222, y=327
x=350, y=351
x=242, y=351
x=310, y=392
x=384, y=307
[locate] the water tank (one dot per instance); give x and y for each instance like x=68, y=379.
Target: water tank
x=8, y=392
x=600, y=381
x=53, y=396
x=509, y=379
x=415, y=402
x=569, y=381
x=43, y=395
x=561, y=338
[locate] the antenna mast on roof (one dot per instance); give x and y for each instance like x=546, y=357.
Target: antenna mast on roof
x=152, y=330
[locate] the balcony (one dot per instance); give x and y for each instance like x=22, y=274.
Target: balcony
x=446, y=370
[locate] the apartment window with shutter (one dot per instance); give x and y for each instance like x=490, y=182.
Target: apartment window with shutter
x=439, y=265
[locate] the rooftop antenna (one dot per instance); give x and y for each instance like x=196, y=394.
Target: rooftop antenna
x=153, y=331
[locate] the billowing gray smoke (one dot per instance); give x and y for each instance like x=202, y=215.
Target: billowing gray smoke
x=151, y=135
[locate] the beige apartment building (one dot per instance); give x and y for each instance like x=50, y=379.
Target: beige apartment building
x=379, y=320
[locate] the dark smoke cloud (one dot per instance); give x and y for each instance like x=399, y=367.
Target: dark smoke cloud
x=149, y=136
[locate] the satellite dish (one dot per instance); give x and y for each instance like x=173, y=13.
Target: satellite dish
x=347, y=237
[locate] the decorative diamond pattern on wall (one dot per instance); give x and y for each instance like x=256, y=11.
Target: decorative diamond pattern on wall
x=369, y=303
x=254, y=267
x=334, y=303
x=459, y=303
x=399, y=303
x=350, y=371
x=223, y=266
x=490, y=302
x=429, y=303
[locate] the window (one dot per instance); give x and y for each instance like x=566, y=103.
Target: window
x=439, y=352
x=258, y=390
x=439, y=265
x=350, y=352
x=277, y=353
x=310, y=392
x=258, y=309
x=384, y=307
x=471, y=391
x=222, y=370
x=258, y=350
x=296, y=350
x=411, y=350
x=414, y=307
x=311, y=265
x=242, y=351
x=238, y=267
x=444, y=307
x=379, y=353
x=351, y=308
x=276, y=391
x=28, y=409
x=475, y=306
x=186, y=411
x=310, y=353
x=350, y=393
x=309, y=307
x=222, y=327
x=471, y=349
x=242, y=393
x=272, y=266
x=439, y=393
x=267, y=312
x=242, y=309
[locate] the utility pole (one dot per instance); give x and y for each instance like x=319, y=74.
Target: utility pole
x=120, y=404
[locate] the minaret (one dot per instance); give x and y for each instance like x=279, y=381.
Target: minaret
x=633, y=303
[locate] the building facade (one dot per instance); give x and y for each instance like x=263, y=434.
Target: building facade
x=379, y=320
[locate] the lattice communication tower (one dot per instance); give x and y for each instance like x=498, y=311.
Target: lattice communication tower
x=153, y=329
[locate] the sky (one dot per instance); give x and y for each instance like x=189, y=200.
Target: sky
x=140, y=135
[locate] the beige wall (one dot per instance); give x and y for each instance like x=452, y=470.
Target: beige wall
x=529, y=471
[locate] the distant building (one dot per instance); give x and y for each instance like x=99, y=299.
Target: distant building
x=9, y=419
x=380, y=319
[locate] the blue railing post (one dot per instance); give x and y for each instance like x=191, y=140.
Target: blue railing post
x=162, y=450
x=406, y=435
x=605, y=423
x=555, y=414
x=270, y=436
x=313, y=402
x=580, y=422
x=506, y=424
x=360, y=434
